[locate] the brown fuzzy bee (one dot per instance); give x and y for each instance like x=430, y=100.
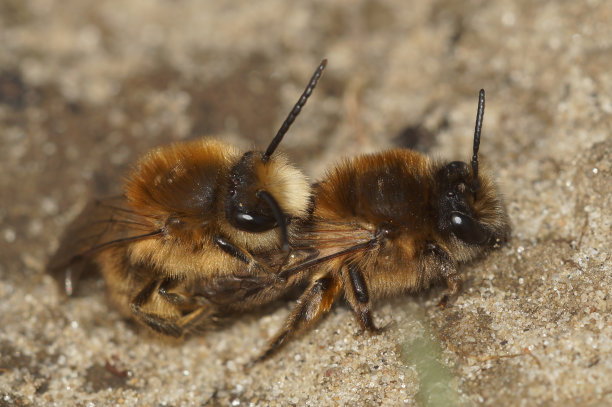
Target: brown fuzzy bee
x=194, y=219
x=391, y=223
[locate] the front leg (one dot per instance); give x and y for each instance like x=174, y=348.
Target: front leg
x=243, y=255
x=437, y=263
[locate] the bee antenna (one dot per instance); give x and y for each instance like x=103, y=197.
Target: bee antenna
x=294, y=112
x=278, y=215
x=477, y=131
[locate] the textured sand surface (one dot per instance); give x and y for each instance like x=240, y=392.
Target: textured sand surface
x=88, y=86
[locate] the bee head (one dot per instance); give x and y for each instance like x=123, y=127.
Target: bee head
x=264, y=190
x=469, y=205
x=263, y=195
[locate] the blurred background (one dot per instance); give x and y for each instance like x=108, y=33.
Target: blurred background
x=86, y=87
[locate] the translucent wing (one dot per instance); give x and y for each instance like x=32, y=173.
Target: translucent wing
x=103, y=223
x=329, y=240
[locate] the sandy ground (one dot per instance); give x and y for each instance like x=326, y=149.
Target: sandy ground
x=88, y=86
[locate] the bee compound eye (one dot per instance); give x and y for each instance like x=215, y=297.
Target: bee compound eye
x=468, y=230
x=251, y=222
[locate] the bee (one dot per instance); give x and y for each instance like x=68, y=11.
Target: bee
x=194, y=222
x=391, y=223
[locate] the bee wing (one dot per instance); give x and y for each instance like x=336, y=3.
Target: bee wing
x=340, y=251
x=102, y=223
x=325, y=240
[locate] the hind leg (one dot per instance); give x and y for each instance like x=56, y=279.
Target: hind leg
x=313, y=303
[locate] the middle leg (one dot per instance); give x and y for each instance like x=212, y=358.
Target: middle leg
x=358, y=296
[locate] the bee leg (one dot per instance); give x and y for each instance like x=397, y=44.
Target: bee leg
x=194, y=319
x=313, y=303
x=453, y=282
x=242, y=255
x=155, y=322
x=197, y=307
x=358, y=297
x=173, y=298
x=438, y=261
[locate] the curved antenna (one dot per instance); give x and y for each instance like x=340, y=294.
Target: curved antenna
x=278, y=215
x=477, y=131
x=294, y=112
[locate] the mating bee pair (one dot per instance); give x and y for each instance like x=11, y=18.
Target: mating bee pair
x=204, y=231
